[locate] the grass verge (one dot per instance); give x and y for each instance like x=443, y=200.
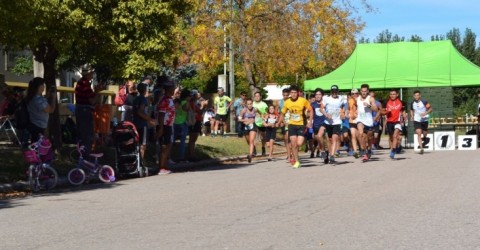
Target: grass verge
x=13, y=166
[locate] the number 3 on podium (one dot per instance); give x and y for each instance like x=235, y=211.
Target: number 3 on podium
x=467, y=142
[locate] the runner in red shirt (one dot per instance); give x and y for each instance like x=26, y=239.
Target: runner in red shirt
x=393, y=111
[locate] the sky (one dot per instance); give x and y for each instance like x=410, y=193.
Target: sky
x=421, y=17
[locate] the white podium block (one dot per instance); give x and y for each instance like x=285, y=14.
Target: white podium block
x=444, y=140
x=467, y=142
x=427, y=146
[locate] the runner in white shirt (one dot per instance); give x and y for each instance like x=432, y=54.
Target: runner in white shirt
x=333, y=109
x=365, y=106
x=419, y=110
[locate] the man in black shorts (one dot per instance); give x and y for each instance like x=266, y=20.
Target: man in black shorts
x=419, y=110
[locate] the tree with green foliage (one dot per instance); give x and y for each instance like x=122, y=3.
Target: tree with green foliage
x=455, y=36
x=415, y=38
x=468, y=45
x=131, y=37
x=23, y=65
x=437, y=38
x=387, y=37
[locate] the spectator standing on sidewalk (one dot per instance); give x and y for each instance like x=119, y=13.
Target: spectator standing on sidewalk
x=180, y=127
x=197, y=105
x=164, y=133
x=141, y=118
x=39, y=107
x=122, y=97
x=222, y=103
x=238, y=106
x=128, y=112
x=85, y=98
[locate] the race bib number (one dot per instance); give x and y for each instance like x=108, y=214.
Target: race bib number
x=249, y=126
x=295, y=117
x=258, y=119
x=271, y=120
x=335, y=113
x=317, y=112
x=362, y=115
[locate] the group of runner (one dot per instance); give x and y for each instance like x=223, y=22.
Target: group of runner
x=354, y=121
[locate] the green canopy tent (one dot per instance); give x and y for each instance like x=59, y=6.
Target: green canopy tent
x=401, y=65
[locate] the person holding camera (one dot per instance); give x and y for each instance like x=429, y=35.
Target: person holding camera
x=39, y=107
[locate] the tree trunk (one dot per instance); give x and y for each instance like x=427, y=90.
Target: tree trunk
x=245, y=54
x=47, y=54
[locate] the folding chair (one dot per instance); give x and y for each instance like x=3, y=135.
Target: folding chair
x=7, y=126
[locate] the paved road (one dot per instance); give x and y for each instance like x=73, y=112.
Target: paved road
x=429, y=201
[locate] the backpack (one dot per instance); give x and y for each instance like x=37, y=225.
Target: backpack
x=22, y=118
x=121, y=97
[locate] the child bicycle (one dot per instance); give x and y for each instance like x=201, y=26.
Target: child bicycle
x=41, y=175
x=77, y=175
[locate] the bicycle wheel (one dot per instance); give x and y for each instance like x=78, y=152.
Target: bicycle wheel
x=74, y=155
x=76, y=176
x=48, y=177
x=106, y=174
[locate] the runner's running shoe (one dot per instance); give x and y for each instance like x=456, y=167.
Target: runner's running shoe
x=249, y=158
x=331, y=160
x=355, y=154
x=325, y=159
x=323, y=155
x=365, y=158
x=392, y=154
x=296, y=165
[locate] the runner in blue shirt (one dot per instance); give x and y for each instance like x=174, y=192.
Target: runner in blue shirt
x=318, y=122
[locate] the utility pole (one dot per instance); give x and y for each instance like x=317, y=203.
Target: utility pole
x=231, y=70
x=225, y=50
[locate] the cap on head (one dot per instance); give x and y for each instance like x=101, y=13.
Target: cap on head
x=86, y=69
x=220, y=88
x=354, y=91
x=334, y=88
